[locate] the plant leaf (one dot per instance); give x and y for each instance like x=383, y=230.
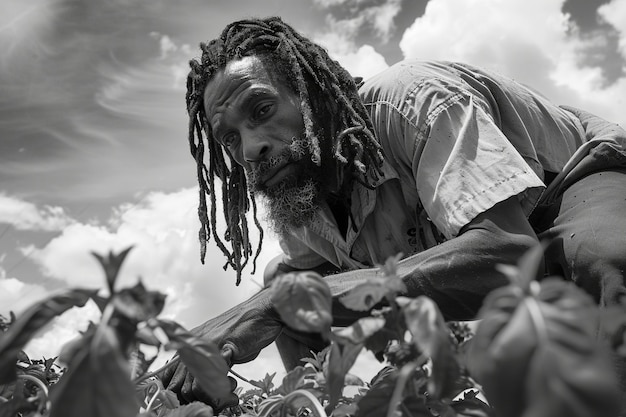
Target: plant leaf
x=365, y=296
x=18, y=403
x=300, y=399
x=431, y=336
x=340, y=361
x=390, y=267
x=318, y=359
x=303, y=301
x=97, y=382
x=266, y=385
x=360, y=330
x=529, y=268
x=295, y=379
x=537, y=353
x=111, y=265
x=202, y=358
x=345, y=410
x=137, y=303
x=375, y=403
x=195, y=409
x=32, y=320
x=146, y=336
x=269, y=405
x=386, y=283
x=470, y=406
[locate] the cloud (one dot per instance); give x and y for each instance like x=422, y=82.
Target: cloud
x=162, y=227
x=350, y=17
x=24, y=27
x=27, y=216
x=614, y=12
x=364, y=62
x=63, y=329
x=448, y=30
x=87, y=90
x=529, y=40
x=340, y=42
x=16, y=296
x=350, y=24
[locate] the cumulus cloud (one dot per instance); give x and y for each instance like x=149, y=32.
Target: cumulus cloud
x=16, y=296
x=532, y=41
x=352, y=16
x=364, y=62
x=162, y=227
x=63, y=329
x=614, y=12
x=359, y=60
x=349, y=23
x=24, y=215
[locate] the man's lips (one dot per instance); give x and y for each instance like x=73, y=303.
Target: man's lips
x=276, y=175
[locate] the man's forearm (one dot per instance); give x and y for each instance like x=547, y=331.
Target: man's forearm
x=456, y=274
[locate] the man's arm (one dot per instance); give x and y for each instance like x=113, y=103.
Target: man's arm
x=456, y=274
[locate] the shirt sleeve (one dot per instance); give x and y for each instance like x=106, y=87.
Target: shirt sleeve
x=467, y=166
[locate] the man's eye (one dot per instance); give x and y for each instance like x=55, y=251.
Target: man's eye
x=262, y=110
x=229, y=139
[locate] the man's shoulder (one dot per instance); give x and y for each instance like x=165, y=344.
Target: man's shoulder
x=408, y=76
x=414, y=68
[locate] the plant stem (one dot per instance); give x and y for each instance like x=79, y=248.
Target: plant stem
x=239, y=376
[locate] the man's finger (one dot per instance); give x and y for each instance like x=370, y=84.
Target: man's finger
x=168, y=371
x=228, y=351
x=187, y=391
x=217, y=403
x=176, y=378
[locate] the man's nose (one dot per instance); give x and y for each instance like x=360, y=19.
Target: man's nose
x=255, y=147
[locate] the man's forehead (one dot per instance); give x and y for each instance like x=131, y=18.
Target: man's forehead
x=245, y=66
x=233, y=79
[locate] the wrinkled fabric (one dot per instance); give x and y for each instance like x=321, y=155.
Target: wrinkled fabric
x=456, y=140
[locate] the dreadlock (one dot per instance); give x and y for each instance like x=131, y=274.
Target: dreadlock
x=330, y=107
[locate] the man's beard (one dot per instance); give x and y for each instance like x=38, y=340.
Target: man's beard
x=295, y=200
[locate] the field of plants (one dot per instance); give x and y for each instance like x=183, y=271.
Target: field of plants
x=541, y=349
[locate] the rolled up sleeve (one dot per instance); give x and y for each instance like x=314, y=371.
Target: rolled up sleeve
x=467, y=165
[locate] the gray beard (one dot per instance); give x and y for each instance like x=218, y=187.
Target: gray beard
x=293, y=202
x=290, y=207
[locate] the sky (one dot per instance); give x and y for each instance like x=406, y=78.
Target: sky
x=93, y=145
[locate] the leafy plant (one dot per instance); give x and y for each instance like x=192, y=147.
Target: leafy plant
x=535, y=353
x=98, y=381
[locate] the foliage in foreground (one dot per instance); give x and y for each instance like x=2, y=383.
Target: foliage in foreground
x=535, y=353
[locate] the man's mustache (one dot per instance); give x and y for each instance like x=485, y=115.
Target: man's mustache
x=292, y=153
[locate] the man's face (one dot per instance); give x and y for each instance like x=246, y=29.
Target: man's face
x=258, y=120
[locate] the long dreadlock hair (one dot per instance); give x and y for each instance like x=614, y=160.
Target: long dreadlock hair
x=330, y=107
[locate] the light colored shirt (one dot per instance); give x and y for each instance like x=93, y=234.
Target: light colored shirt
x=456, y=140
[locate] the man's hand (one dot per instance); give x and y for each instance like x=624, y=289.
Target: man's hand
x=240, y=333
x=177, y=378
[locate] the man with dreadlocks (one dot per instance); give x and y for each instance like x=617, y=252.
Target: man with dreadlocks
x=458, y=168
